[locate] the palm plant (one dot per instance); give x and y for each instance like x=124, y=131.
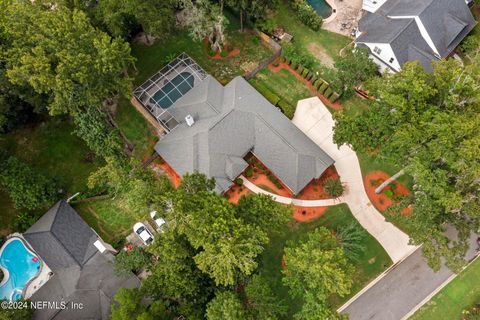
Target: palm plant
x=350, y=237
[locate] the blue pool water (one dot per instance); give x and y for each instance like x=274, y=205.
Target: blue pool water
x=17, y=259
x=174, y=89
x=321, y=7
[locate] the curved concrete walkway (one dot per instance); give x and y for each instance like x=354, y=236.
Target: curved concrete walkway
x=314, y=119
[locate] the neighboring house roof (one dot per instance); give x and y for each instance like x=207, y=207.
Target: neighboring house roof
x=418, y=29
x=81, y=273
x=231, y=121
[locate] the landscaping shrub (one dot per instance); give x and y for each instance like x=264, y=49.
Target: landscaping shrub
x=350, y=237
x=256, y=40
x=249, y=172
x=293, y=65
x=27, y=188
x=389, y=193
x=307, y=14
x=323, y=88
x=305, y=72
x=224, y=53
x=287, y=109
x=211, y=52
x=313, y=80
x=333, y=187
x=288, y=61
x=334, y=97
x=317, y=83
x=300, y=69
x=309, y=76
x=268, y=94
x=298, y=56
x=328, y=92
x=132, y=261
x=239, y=182
x=282, y=58
x=23, y=221
x=472, y=313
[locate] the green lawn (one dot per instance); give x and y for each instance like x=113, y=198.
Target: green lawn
x=283, y=84
x=328, y=42
x=108, y=219
x=458, y=295
x=52, y=149
x=373, y=262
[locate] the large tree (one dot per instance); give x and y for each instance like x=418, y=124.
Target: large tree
x=261, y=301
x=120, y=18
x=428, y=125
x=250, y=8
x=352, y=68
x=58, y=53
x=315, y=268
x=129, y=306
x=225, y=305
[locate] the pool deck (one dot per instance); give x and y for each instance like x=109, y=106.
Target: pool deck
x=345, y=17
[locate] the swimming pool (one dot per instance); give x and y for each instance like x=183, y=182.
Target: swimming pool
x=321, y=8
x=173, y=90
x=19, y=266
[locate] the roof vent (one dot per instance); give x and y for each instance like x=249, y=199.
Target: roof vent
x=99, y=245
x=189, y=120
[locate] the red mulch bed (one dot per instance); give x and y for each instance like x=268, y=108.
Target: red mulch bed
x=260, y=179
x=382, y=201
x=235, y=193
x=335, y=106
x=306, y=214
x=314, y=190
x=231, y=51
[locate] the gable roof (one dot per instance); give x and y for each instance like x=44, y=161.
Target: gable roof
x=446, y=22
x=82, y=274
x=230, y=122
x=62, y=238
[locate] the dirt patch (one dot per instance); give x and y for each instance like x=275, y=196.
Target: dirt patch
x=389, y=195
x=306, y=214
x=321, y=55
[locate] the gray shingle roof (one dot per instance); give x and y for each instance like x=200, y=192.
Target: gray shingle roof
x=81, y=273
x=230, y=122
x=62, y=238
x=447, y=22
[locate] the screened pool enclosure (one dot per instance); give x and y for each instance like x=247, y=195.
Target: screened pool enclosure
x=168, y=85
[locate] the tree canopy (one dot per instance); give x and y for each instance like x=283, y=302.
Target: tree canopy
x=59, y=53
x=315, y=268
x=427, y=124
x=225, y=305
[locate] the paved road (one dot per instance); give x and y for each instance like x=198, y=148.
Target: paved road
x=401, y=289
x=314, y=119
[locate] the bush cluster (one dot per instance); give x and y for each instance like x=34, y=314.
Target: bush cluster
x=297, y=56
x=307, y=14
x=274, y=99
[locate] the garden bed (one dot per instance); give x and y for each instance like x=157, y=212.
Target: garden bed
x=315, y=189
x=390, y=195
x=258, y=174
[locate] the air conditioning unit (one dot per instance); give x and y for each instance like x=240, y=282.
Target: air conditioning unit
x=189, y=120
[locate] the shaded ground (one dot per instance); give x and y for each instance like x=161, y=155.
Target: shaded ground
x=371, y=263
x=52, y=149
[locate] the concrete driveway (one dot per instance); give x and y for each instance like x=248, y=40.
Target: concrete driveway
x=315, y=120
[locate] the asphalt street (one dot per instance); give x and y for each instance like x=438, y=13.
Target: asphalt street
x=401, y=289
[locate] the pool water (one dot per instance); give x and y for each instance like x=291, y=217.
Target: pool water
x=321, y=8
x=173, y=90
x=18, y=261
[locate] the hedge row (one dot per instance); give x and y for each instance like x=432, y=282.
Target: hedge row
x=274, y=99
x=322, y=86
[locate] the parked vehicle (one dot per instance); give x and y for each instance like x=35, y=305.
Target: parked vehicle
x=159, y=222
x=143, y=233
